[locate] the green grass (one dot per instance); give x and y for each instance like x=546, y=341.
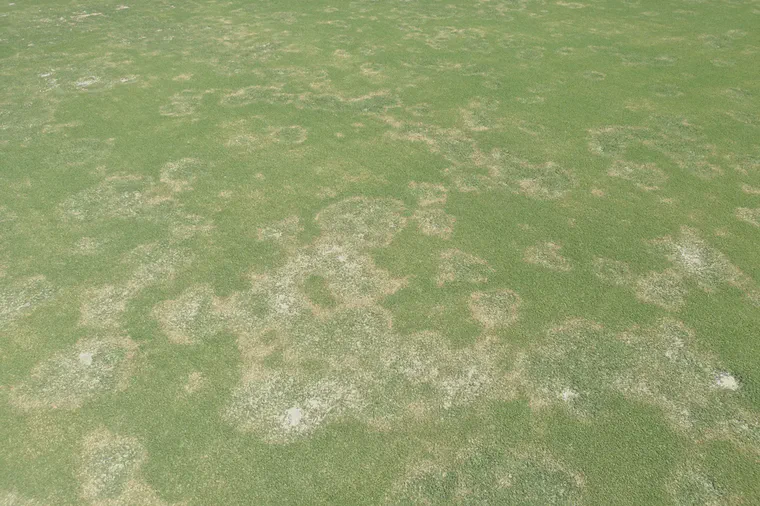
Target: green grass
x=430, y=252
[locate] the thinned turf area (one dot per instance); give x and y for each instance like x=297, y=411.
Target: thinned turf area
x=379, y=252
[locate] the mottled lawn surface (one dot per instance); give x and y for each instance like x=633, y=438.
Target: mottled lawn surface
x=380, y=252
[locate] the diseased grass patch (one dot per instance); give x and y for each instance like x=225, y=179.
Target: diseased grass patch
x=691, y=486
x=613, y=272
x=547, y=255
x=434, y=222
x=189, y=319
x=707, y=266
x=581, y=362
x=21, y=297
x=491, y=475
x=456, y=266
x=495, y=309
x=109, y=470
x=751, y=216
x=68, y=379
x=428, y=194
x=309, y=250
x=665, y=289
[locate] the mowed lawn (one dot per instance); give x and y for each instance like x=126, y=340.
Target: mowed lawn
x=379, y=252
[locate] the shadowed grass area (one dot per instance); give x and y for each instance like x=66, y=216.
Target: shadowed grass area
x=431, y=252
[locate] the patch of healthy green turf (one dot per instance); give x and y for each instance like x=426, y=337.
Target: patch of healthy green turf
x=317, y=290
x=430, y=252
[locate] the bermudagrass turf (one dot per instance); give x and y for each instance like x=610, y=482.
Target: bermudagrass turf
x=431, y=252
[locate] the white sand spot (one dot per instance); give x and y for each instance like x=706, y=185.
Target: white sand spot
x=726, y=381
x=86, y=82
x=293, y=416
x=568, y=394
